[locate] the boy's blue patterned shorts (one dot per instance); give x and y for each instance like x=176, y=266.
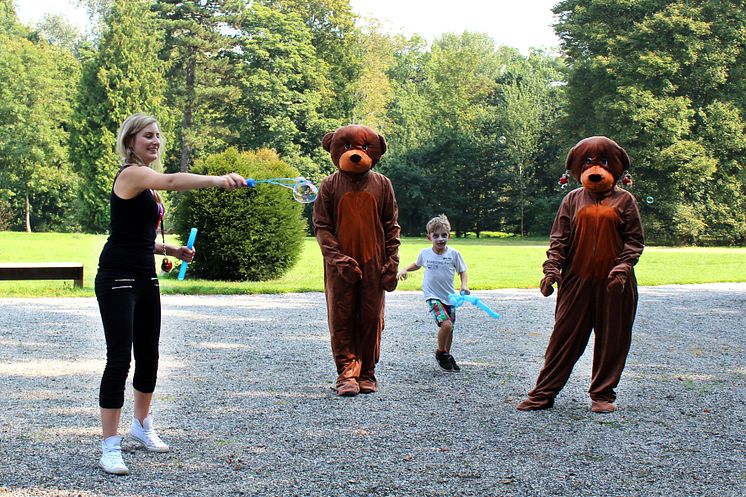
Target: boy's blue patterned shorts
x=441, y=312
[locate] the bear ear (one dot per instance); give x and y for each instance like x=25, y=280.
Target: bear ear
x=624, y=158
x=326, y=142
x=570, y=159
x=383, y=144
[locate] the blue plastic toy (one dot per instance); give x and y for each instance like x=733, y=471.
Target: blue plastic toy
x=190, y=244
x=457, y=300
x=303, y=190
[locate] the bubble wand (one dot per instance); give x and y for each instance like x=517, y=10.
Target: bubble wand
x=457, y=300
x=303, y=190
x=190, y=244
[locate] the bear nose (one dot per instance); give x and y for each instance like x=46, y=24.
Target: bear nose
x=355, y=158
x=595, y=178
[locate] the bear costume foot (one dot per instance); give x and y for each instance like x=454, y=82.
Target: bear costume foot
x=368, y=385
x=348, y=388
x=602, y=406
x=535, y=404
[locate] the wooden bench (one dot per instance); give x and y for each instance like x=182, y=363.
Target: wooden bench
x=42, y=271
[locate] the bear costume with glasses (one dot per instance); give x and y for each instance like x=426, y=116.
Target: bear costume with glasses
x=596, y=240
x=355, y=218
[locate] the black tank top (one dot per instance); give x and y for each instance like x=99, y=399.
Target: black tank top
x=131, y=245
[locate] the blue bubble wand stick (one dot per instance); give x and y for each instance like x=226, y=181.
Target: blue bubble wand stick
x=190, y=244
x=304, y=191
x=457, y=300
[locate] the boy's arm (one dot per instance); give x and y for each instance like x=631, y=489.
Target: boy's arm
x=402, y=274
x=464, y=282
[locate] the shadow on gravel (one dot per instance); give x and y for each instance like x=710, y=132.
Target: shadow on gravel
x=245, y=400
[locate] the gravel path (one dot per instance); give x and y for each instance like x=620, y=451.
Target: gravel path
x=245, y=400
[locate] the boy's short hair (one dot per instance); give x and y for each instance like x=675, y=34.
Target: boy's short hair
x=438, y=222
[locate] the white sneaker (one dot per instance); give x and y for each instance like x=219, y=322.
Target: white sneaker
x=146, y=435
x=111, y=460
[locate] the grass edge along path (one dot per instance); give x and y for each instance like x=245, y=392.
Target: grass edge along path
x=494, y=263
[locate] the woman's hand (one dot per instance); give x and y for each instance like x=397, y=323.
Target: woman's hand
x=402, y=275
x=230, y=181
x=185, y=254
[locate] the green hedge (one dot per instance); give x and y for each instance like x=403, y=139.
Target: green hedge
x=246, y=234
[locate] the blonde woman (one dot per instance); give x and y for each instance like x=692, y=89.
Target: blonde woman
x=127, y=285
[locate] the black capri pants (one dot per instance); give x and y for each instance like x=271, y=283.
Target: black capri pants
x=131, y=313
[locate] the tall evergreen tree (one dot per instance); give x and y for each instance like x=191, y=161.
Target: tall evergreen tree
x=279, y=85
x=124, y=76
x=338, y=44
x=196, y=42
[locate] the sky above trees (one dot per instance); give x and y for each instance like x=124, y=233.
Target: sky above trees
x=521, y=25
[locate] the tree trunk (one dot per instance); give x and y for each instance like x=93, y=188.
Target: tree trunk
x=28, y=214
x=523, y=186
x=186, y=122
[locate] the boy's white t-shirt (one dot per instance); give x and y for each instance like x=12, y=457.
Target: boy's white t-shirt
x=440, y=269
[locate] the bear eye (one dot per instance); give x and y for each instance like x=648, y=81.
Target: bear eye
x=589, y=161
x=347, y=146
x=364, y=147
x=604, y=162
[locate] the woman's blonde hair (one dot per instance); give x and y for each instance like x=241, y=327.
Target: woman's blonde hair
x=127, y=131
x=437, y=223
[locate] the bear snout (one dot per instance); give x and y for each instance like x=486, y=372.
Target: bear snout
x=597, y=179
x=355, y=161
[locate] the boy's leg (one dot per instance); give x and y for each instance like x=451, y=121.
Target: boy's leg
x=452, y=313
x=445, y=335
x=445, y=330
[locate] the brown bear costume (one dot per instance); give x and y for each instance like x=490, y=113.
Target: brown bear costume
x=355, y=216
x=596, y=240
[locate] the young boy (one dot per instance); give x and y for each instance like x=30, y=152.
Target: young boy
x=440, y=263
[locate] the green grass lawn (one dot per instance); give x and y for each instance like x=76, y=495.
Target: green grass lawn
x=493, y=263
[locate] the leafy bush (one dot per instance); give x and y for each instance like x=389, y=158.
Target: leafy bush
x=246, y=234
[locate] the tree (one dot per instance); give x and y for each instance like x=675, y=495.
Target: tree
x=36, y=82
x=248, y=234
x=406, y=130
x=124, y=76
x=8, y=19
x=337, y=44
x=56, y=30
x=527, y=108
x=658, y=77
x=279, y=85
x=460, y=76
x=372, y=91
x=407, y=117
x=196, y=41
x=442, y=108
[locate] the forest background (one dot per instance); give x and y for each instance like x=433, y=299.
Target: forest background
x=475, y=130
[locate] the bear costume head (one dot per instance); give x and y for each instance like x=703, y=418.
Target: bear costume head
x=354, y=148
x=597, y=163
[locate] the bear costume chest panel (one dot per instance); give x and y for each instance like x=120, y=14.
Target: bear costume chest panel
x=597, y=240
x=357, y=221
